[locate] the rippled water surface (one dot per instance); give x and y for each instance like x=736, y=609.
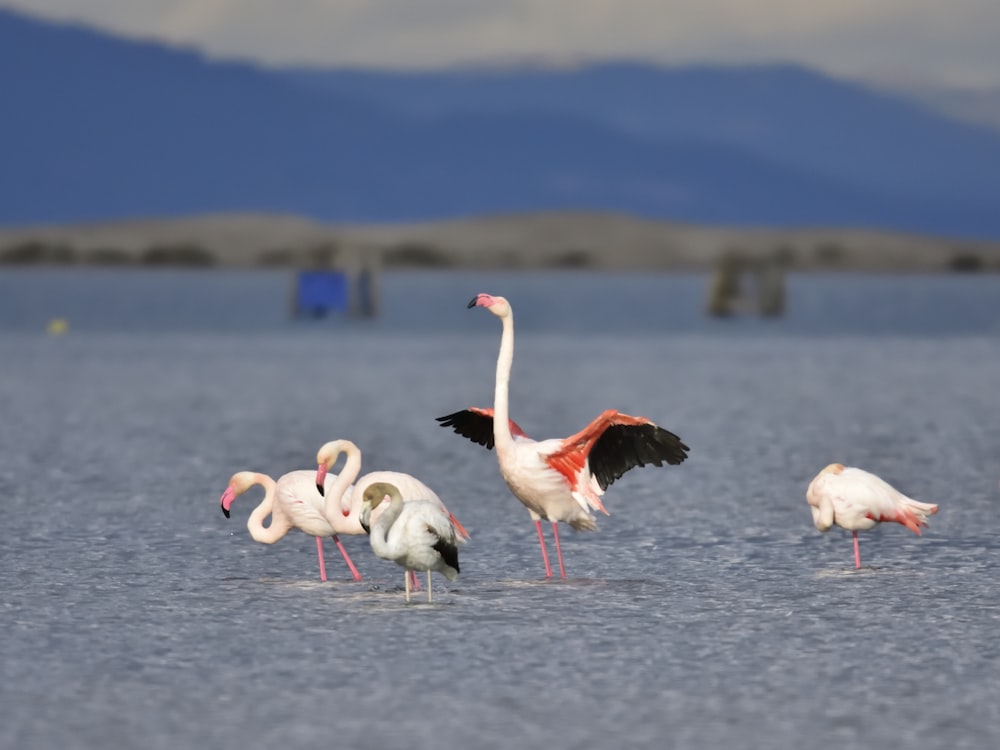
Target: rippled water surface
x=707, y=612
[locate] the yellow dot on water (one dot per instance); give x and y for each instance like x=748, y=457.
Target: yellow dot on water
x=57, y=326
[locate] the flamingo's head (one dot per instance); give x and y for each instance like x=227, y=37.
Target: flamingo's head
x=496, y=305
x=239, y=483
x=325, y=458
x=374, y=495
x=821, y=508
x=832, y=469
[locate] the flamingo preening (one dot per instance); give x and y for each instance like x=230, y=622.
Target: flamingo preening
x=292, y=502
x=560, y=479
x=415, y=534
x=857, y=500
x=344, y=499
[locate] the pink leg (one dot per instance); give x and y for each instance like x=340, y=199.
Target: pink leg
x=322, y=564
x=555, y=533
x=414, y=581
x=347, y=558
x=857, y=552
x=545, y=554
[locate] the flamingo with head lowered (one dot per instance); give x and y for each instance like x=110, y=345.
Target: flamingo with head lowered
x=416, y=534
x=560, y=479
x=858, y=500
x=292, y=502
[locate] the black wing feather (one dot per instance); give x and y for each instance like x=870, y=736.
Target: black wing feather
x=448, y=552
x=473, y=425
x=623, y=447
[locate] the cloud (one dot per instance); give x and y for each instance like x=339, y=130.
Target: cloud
x=952, y=41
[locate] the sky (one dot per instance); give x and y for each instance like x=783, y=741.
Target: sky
x=890, y=41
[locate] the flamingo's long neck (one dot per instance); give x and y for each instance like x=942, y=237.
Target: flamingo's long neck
x=380, y=531
x=501, y=408
x=278, y=527
x=336, y=495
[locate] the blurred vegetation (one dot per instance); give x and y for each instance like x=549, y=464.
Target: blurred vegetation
x=108, y=256
x=830, y=254
x=36, y=252
x=967, y=262
x=785, y=256
x=184, y=254
x=322, y=255
x=571, y=259
x=278, y=257
x=516, y=242
x=416, y=255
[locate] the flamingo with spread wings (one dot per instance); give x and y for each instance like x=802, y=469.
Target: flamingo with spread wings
x=560, y=479
x=857, y=500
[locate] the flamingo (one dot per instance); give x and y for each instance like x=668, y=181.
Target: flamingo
x=857, y=500
x=344, y=500
x=292, y=502
x=560, y=479
x=416, y=534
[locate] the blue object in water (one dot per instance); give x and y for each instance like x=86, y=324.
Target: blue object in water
x=318, y=292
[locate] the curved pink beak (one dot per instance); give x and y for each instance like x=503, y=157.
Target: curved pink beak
x=320, y=479
x=226, y=501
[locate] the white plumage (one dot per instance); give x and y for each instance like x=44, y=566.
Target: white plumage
x=416, y=534
x=344, y=499
x=292, y=502
x=857, y=500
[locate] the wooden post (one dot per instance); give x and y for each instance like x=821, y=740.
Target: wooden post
x=771, y=290
x=724, y=289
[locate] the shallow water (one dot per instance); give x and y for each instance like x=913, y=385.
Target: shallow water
x=706, y=612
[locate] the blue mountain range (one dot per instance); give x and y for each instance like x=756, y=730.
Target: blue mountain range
x=97, y=127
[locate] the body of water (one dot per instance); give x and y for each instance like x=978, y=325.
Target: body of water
x=707, y=612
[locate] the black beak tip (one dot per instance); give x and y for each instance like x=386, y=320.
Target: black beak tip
x=472, y=302
x=321, y=490
x=225, y=513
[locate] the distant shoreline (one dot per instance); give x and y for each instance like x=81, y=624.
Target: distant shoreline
x=549, y=240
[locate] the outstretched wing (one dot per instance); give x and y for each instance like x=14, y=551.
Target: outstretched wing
x=614, y=443
x=477, y=425
x=623, y=447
